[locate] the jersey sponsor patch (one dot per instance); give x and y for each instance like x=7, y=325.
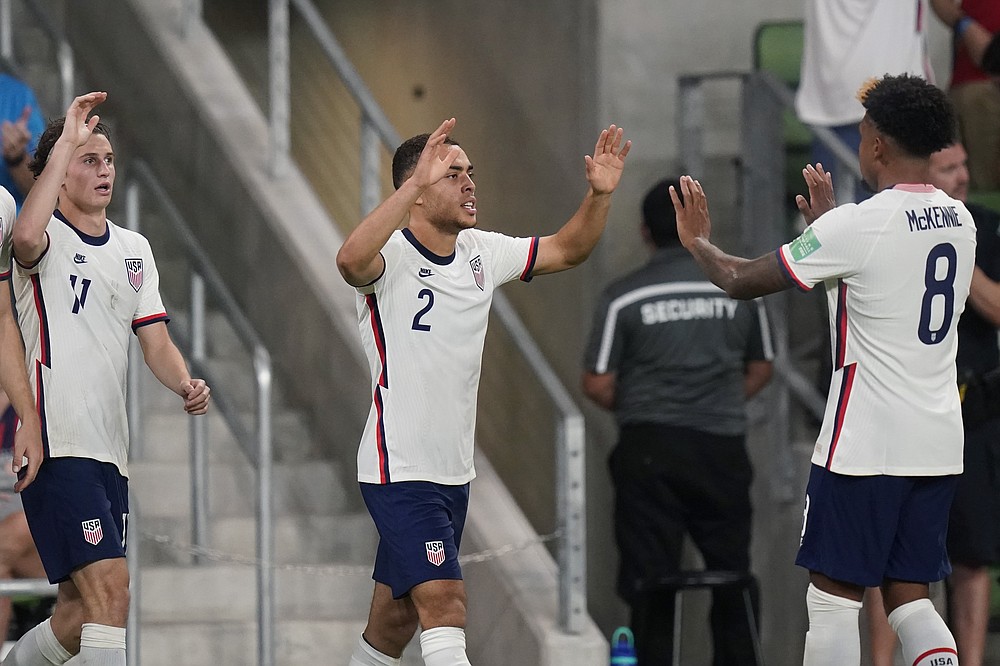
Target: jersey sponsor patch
x=435, y=552
x=92, y=532
x=804, y=245
x=477, y=271
x=134, y=268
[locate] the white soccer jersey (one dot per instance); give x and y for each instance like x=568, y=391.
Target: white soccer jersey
x=423, y=325
x=8, y=210
x=77, y=307
x=897, y=269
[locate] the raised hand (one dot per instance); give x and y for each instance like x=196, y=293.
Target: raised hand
x=821, y=198
x=436, y=157
x=693, y=221
x=78, y=127
x=604, y=169
x=16, y=135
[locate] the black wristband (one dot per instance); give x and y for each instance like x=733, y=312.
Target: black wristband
x=17, y=160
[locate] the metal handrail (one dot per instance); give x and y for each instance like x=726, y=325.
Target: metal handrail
x=205, y=277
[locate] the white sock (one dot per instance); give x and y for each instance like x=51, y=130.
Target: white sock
x=366, y=655
x=443, y=646
x=101, y=645
x=923, y=634
x=38, y=647
x=833, y=636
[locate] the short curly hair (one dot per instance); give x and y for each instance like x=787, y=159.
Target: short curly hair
x=48, y=139
x=914, y=113
x=404, y=160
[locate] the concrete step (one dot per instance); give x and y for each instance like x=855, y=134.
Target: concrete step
x=228, y=593
x=348, y=539
x=163, y=489
x=297, y=642
x=163, y=434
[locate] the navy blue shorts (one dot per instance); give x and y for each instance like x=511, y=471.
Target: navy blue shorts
x=77, y=510
x=863, y=529
x=420, y=528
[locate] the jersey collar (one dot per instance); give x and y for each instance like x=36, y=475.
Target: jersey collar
x=86, y=238
x=428, y=255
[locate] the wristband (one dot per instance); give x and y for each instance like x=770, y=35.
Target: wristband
x=14, y=162
x=961, y=25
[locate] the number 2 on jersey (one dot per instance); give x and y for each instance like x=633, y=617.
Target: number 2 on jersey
x=934, y=287
x=429, y=295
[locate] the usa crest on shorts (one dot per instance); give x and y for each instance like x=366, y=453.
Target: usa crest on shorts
x=92, y=532
x=435, y=552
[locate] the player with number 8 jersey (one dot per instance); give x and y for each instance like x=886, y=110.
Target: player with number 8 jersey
x=896, y=269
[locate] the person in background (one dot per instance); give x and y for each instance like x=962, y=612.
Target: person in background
x=675, y=359
x=845, y=44
x=21, y=124
x=974, y=91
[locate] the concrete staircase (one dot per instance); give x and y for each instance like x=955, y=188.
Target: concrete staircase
x=205, y=614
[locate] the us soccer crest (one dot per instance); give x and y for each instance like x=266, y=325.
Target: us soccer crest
x=92, y=532
x=477, y=271
x=134, y=269
x=435, y=552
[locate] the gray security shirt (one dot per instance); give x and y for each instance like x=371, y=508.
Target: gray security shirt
x=678, y=346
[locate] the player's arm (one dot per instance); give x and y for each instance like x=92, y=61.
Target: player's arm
x=756, y=375
x=359, y=260
x=14, y=381
x=984, y=295
x=600, y=388
x=30, y=239
x=168, y=366
x=738, y=277
x=574, y=242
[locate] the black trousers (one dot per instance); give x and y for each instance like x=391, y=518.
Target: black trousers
x=672, y=481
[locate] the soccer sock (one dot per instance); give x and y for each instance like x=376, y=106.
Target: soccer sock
x=100, y=645
x=443, y=646
x=923, y=634
x=833, y=636
x=366, y=655
x=38, y=647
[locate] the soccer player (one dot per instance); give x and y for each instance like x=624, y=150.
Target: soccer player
x=83, y=285
x=424, y=294
x=896, y=269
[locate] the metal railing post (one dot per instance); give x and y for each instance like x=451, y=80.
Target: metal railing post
x=191, y=16
x=690, y=119
x=265, y=528
x=198, y=427
x=279, y=87
x=6, y=31
x=133, y=398
x=371, y=191
x=133, y=624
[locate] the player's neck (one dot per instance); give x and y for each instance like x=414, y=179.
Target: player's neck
x=908, y=172
x=439, y=241
x=92, y=223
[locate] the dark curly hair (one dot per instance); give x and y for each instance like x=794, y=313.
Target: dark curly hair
x=48, y=139
x=404, y=161
x=914, y=113
x=658, y=213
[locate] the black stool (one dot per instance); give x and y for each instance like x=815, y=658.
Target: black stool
x=677, y=583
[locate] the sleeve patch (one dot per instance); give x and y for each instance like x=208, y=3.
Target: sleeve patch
x=804, y=245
